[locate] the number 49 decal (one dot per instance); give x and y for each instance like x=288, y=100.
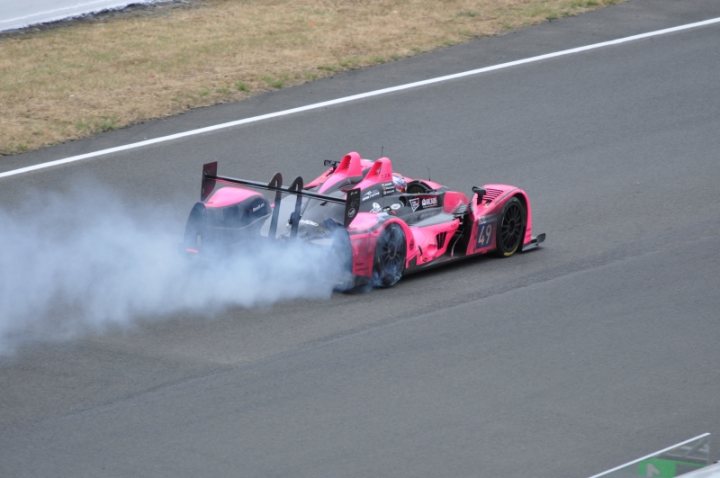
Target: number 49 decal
x=484, y=235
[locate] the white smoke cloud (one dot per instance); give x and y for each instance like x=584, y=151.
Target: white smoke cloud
x=79, y=263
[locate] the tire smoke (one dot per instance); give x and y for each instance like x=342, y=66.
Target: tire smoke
x=82, y=263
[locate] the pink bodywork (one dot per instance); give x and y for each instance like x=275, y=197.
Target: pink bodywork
x=425, y=244
x=227, y=196
x=428, y=243
x=349, y=167
x=352, y=165
x=506, y=192
x=380, y=172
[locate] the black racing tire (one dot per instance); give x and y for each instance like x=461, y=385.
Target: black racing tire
x=195, y=227
x=511, y=228
x=390, y=254
x=341, y=254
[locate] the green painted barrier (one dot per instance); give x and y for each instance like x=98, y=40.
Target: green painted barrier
x=665, y=468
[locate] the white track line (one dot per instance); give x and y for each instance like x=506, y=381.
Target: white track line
x=360, y=96
x=651, y=455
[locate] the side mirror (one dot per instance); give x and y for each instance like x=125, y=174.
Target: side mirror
x=480, y=193
x=330, y=162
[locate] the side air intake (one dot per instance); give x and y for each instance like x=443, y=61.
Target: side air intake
x=491, y=195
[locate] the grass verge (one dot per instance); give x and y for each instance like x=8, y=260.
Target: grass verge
x=81, y=78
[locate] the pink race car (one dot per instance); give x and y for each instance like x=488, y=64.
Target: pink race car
x=383, y=223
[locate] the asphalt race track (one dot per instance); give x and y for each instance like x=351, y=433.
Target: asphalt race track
x=600, y=347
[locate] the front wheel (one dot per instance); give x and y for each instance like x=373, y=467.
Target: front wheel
x=390, y=253
x=511, y=228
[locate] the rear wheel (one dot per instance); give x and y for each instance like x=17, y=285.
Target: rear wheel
x=390, y=253
x=511, y=228
x=341, y=256
x=195, y=228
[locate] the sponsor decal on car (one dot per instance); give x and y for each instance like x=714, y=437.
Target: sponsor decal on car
x=423, y=202
x=389, y=187
x=414, y=203
x=373, y=193
x=485, y=231
x=430, y=202
x=484, y=235
x=395, y=206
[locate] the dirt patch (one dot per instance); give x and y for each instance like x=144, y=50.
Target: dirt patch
x=75, y=79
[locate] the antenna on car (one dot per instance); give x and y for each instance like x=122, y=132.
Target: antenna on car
x=428, y=170
x=382, y=151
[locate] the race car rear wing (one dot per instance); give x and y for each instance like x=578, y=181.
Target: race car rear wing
x=210, y=178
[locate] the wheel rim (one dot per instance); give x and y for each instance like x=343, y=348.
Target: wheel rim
x=390, y=257
x=391, y=253
x=511, y=228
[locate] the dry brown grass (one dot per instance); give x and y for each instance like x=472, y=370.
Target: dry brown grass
x=72, y=81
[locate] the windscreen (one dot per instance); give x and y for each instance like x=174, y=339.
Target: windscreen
x=314, y=214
